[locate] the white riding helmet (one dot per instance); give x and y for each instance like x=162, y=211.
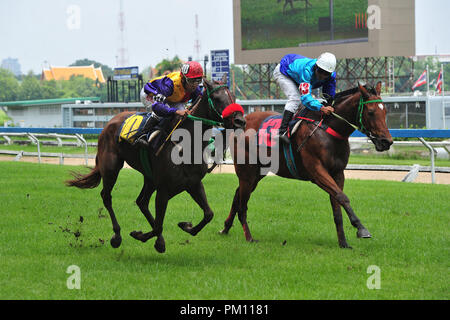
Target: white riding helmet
x=327, y=62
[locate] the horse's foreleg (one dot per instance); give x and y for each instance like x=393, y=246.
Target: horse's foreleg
x=234, y=209
x=198, y=194
x=354, y=220
x=142, y=202
x=337, y=213
x=326, y=182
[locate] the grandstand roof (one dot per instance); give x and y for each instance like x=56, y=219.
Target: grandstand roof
x=47, y=101
x=64, y=73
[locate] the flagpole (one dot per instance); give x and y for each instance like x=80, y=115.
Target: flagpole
x=428, y=83
x=442, y=91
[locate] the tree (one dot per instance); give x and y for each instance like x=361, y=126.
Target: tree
x=79, y=86
x=51, y=89
x=167, y=66
x=9, y=86
x=107, y=71
x=30, y=89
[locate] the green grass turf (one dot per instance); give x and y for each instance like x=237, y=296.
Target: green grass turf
x=297, y=257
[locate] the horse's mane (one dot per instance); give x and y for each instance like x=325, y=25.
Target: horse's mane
x=340, y=96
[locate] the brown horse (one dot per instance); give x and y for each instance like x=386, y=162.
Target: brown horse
x=322, y=157
x=166, y=178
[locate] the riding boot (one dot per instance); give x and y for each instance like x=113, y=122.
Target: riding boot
x=287, y=116
x=142, y=139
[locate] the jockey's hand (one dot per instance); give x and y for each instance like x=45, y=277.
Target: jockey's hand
x=182, y=112
x=327, y=110
x=160, y=98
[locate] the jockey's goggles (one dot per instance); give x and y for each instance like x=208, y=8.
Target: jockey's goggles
x=323, y=72
x=193, y=81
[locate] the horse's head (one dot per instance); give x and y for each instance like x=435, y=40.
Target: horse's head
x=372, y=117
x=222, y=105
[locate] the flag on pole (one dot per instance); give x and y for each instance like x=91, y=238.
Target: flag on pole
x=439, y=83
x=421, y=81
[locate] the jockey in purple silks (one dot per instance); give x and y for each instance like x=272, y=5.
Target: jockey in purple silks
x=167, y=95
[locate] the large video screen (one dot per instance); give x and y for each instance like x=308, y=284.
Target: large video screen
x=265, y=30
x=267, y=24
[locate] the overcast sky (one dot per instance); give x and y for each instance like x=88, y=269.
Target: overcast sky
x=59, y=32
x=35, y=31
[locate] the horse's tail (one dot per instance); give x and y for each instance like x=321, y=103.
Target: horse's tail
x=85, y=181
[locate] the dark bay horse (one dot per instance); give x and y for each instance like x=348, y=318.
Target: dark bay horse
x=322, y=157
x=167, y=179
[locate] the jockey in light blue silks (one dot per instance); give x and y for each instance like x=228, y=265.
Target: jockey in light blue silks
x=297, y=75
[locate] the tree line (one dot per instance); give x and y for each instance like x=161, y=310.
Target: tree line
x=31, y=87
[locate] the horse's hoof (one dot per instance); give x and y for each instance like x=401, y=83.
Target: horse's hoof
x=160, y=245
x=363, y=233
x=116, y=240
x=224, y=232
x=345, y=246
x=185, y=226
x=137, y=235
x=253, y=240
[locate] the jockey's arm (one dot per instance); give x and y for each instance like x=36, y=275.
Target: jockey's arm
x=161, y=87
x=313, y=104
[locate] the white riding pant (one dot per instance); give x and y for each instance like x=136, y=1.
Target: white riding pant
x=290, y=89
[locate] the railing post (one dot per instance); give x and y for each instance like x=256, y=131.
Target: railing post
x=80, y=137
x=34, y=139
x=429, y=147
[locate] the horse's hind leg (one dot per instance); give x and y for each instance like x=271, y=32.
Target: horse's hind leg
x=109, y=171
x=198, y=194
x=162, y=197
x=142, y=202
x=234, y=209
x=245, y=189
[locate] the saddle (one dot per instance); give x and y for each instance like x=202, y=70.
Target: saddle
x=133, y=127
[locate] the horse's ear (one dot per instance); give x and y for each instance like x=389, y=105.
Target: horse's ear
x=363, y=91
x=207, y=83
x=378, y=88
x=224, y=79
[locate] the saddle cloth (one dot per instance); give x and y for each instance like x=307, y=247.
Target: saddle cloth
x=132, y=126
x=270, y=126
x=266, y=137
x=269, y=129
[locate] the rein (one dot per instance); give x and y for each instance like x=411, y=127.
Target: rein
x=211, y=106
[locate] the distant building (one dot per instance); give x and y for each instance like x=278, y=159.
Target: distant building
x=12, y=65
x=64, y=73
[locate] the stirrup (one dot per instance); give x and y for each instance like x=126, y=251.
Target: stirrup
x=153, y=135
x=141, y=142
x=284, y=139
x=296, y=126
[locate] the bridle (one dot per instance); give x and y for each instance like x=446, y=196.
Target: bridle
x=228, y=110
x=360, y=125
